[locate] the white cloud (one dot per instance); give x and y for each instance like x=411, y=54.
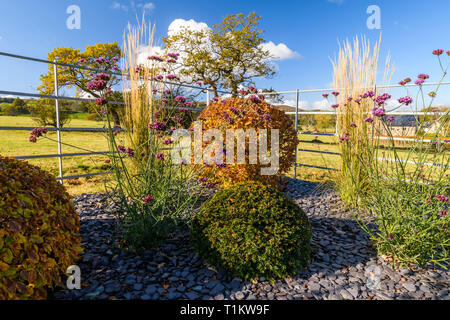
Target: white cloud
x=118, y=6
x=280, y=51
x=147, y=6
x=145, y=52
x=178, y=25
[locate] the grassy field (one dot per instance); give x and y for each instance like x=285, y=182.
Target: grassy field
x=15, y=143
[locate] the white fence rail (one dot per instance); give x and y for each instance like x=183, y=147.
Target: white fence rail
x=205, y=90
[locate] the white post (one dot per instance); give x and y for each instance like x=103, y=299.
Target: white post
x=296, y=131
x=207, y=97
x=58, y=131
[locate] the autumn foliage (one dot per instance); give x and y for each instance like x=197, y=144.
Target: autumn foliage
x=247, y=113
x=38, y=231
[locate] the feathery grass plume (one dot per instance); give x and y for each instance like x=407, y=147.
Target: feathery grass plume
x=355, y=72
x=137, y=87
x=155, y=195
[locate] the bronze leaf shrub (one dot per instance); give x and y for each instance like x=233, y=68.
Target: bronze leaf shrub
x=38, y=231
x=246, y=113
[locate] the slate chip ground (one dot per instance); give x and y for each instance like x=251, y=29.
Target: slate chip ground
x=342, y=266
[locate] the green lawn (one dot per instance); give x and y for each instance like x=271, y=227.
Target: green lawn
x=15, y=143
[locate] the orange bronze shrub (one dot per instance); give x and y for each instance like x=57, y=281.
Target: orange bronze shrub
x=247, y=113
x=38, y=231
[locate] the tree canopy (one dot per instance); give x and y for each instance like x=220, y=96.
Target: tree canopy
x=225, y=56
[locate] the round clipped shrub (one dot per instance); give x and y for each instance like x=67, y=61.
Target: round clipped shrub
x=249, y=113
x=253, y=230
x=38, y=231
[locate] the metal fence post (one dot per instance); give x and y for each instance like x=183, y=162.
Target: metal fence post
x=296, y=131
x=58, y=131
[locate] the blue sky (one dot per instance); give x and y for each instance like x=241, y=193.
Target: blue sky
x=410, y=29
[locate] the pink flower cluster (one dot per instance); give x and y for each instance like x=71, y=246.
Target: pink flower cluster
x=368, y=94
x=345, y=137
x=156, y=58
x=378, y=112
x=254, y=99
x=252, y=89
x=157, y=125
x=96, y=85
x=180, y=99
x=405, y=81
x=36, y=133
x=381, y=99
x=442, y=198
x=148, y=199
x=101, y=101
x=405, y=100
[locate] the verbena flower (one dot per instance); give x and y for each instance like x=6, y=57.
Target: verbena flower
x=443, y=212
x=438, y=52
x=335, y=106
x=156, y=58
x=121, y=148
x=130, y=152
x=252, y=89
x=369, y=120
x=171, y=77
x=157, y=125
x=335, y=93
x=167, y=141
x=442, y=198
x=345, y=137
x=325, y=95
x=381, y=99
x=180, y=99
x=368, y=94
x=107, y=161
x=173, y=55
x=423, y=76
x=405, y=100
x=419, y=81
x=160, y=156
x=96, y=85
x=378, y=112
x=101, y=101
x=254, y=99
x=390, y=118
x=148, y=199
x=353, y=125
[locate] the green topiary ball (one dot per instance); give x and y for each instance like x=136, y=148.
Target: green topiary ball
x=38, y=231
x=253, y=230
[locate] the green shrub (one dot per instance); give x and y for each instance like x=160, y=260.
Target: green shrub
x=44, y=113
x=38, y=231
x=253, y=230
x=11, y=110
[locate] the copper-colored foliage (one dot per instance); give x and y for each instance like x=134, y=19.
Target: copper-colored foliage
x=38, y=231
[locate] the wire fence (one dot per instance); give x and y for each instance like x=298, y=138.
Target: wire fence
x=56, y=97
